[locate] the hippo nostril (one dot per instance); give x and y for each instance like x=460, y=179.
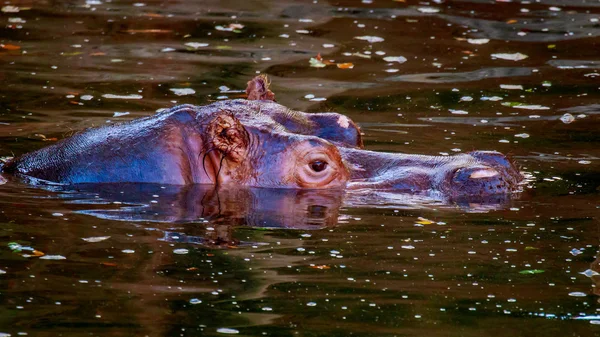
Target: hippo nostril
x=483, y=173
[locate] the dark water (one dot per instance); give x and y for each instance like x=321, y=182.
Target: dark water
x=150, y=260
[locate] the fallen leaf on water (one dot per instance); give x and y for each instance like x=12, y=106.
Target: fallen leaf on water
x=72, y=54
x=317, y=62
x=196, y=45
x=148, y=31
x=192, y=269
x=531, y=271
x=371, y=39
x=95, y=238
x=423, y=221
x=10, y=47
x=399, y=59
x=232, y=27
x=365, y=56
x=345, y=65
x=511, y=21
x=510, y=57
x=323, y=266
x=37, y=253
x=53, y=257
x=224, y=47
x=478, y=41
x=10, y=9
x=153, y=15
x=530, y=248
x=109, y=264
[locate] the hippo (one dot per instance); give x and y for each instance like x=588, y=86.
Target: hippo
x=256, y=142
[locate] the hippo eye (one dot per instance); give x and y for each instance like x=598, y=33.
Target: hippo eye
x=318, y=165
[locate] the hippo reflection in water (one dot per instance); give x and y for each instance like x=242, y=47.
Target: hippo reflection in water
x=258, y=143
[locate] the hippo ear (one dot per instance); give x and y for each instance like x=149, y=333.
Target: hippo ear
x=258, y=89
x=229, y=136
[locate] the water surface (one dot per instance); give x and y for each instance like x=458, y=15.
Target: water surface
x=445, y=77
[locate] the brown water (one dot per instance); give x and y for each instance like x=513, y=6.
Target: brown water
x=168, y=261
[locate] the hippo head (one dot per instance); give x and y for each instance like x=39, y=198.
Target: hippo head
x=251, y=148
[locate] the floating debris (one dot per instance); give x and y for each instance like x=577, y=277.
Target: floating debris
x=428, y=10
x=567, y=118
x=399, y=59
x=232, y=27
x=120, y=114
x=511, y=86
x=227, y=331
x=478, y=41
x=510, y=57
x=590, y=273
x=345, y=65
x=196, y=45
x=11, y=9
x=96, y=238
x=371, y=39
x=183, y=91
x=53, y=257
x=133, y=96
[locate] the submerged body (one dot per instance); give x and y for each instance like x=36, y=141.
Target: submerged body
x=257, y=143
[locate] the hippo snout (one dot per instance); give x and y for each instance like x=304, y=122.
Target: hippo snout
x=492, y=173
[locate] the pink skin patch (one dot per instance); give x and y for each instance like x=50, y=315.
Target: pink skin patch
x=484, y=173
x=344, y=122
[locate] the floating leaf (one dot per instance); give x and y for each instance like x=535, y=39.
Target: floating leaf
x=323, y=266
x=228, y=331
x=399, y=59
x=371, y=39
x=183, y=91
x=518, y=105
x=10, y=47
x=53, y=257
x=15, y=247
x=37, y=253
x=345, y=65
x=511, y=86
x=317, y=62
x=95, y=238
x=478, y=41
x=123, y=96
x=224, y=47
x=424, y=221
x=531, y=248
x=233, y=27
x=510, y=57
x=10, y=9
x=365, y=56
x=428, y=10
x=531, y=271
x=196, y=45
x=148, y=31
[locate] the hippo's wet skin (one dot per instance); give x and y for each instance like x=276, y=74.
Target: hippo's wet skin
x=257, y=143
